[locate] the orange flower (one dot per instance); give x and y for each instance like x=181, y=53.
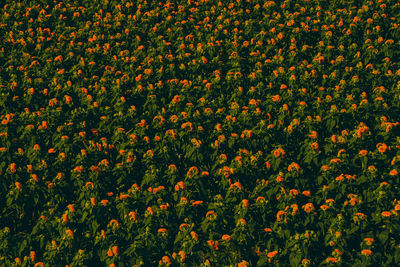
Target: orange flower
x=324, y=207
x=226, y=238
x=71, y=207
x=162, y=231
x=306, y=193
x=243, y=264
x=18, y=261
x=18, y=185
x=314, y=146
x=276, y=98
x=33, y=256
x=333, y=260
x=176, y=99
x=115, y=250
x=114, y=223
x=245, y=203
x=182, y=254
x=308, y=207
x=211, y=214
x=165, y=260
x=194, y=235
x=241, y=221
x=363, y=152
x=272, y=254
x=366, y=252
x=386, y=213
x=132, y=216
x=65, y=218
x=110, y=253
x=313, y=135
x=393, y=172
x=13, y=167
x=70, y=233
x=279, y=214
x=294, y=192
x=381, y=147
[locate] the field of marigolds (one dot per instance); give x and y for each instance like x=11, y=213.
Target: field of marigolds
x=200, y=133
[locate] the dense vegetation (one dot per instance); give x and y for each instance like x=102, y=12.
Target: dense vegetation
x=207, y=133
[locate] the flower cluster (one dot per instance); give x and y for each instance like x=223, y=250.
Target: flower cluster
x=199, y=133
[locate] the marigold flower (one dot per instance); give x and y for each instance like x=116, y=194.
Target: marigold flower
x=276, y=98
x=314, y=146
x=13, y=167
x=124, y=196
x=69, y=233
x=324, y=207
x=386, y=214
x=114, y=223
x=65, y=218
x=176, y=99
x=279, y=215
x=363, y=152
x=194, y=235
x=18, y=261
x=393, y=172
x=165, y=260
x=182, y=254
x=332, y=260
x=226, y=238
x=115, y=250
x=243, y=264
x=241, y=221
x=162, y=231
x=272, y=254
x=369, y=241
x=245, y=203
x=33, y=255
x=71, y=207
x=211, y=214
x=381, y=147
x=18, y=185
x=313, y=135
x=366, y=252
x=308, y=207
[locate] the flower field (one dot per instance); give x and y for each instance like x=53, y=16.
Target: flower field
x=200, y=133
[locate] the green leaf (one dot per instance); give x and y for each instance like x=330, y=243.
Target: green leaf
x=383, y=236
x=22, y=247
x=294, y=259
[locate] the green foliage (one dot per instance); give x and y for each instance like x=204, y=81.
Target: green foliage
x=208, y=133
